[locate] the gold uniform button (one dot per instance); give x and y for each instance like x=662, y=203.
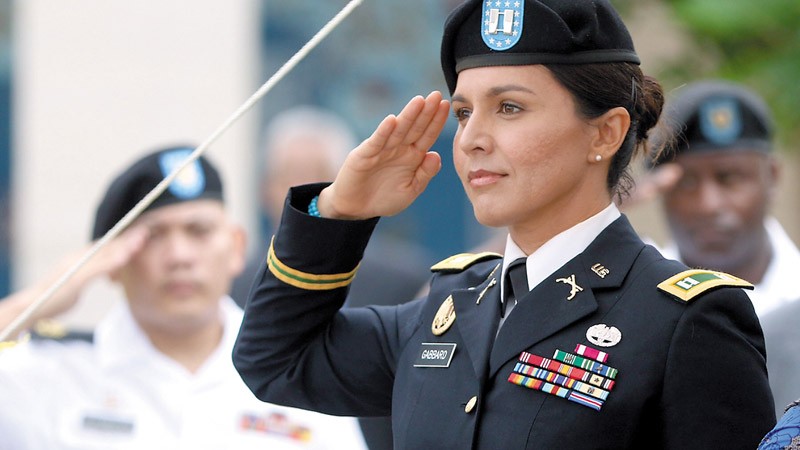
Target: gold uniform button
x=470, y=405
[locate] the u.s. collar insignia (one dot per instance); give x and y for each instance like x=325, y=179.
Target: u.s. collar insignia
x=501, y=28
x=603, y=336
x=720, y=120
x=600, y=270
x=444, y=317
x=190, y=181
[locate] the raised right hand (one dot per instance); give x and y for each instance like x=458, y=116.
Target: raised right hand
x=391, y=168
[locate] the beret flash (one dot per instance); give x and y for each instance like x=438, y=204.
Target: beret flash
x=482, y=33
x=198, y=180
x=714, y=115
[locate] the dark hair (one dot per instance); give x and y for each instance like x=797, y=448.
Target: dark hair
x=597, y=88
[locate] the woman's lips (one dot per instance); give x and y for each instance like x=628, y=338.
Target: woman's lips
x=483, y=177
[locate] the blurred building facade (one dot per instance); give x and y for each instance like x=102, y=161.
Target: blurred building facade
x=97, y=82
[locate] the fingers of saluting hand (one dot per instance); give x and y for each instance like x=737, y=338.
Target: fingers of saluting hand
x=415, y=119
x=117, y=252
x=384, y=174
x=439, y=113
x=417, y=125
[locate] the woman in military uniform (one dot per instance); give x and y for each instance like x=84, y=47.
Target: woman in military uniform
x=581, y=336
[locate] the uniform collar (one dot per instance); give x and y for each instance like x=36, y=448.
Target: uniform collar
x=560, y=249
x=568, y=294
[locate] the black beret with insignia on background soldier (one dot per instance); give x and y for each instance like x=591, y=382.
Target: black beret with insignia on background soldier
x=713, y=115
x=490, y=33
x=198, y=180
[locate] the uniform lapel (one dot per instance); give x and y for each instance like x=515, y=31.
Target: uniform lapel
x=477, y=321
x=545, y=310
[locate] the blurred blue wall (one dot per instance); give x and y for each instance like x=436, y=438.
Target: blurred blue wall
x=5, y=147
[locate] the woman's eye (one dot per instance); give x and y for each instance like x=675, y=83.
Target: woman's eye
x=509, y=108
x=461, y=113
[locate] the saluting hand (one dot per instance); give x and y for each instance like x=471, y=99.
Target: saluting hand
x=116, y=254
x=652, y=184
x=391, y=168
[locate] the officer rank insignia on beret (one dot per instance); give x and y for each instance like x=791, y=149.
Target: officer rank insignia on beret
x=693, y=282
x=461, y=261
x=483, y=33
x=502, y=24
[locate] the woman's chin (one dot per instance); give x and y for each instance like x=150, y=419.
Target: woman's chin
x=489, y=217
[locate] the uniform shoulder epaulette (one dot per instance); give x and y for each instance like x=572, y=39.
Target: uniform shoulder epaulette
x=51, y=330
x=461, y=261
x=9, y=344
x=690, y=283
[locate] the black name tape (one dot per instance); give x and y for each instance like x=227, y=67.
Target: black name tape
x=435, y=355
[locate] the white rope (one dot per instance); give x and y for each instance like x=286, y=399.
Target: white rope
x=162, y=186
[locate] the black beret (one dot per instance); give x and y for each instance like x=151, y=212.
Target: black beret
x=482, y=33
x=714, y=115
x=199, y=180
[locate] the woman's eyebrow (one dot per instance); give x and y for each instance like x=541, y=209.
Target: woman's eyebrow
x=497, y=90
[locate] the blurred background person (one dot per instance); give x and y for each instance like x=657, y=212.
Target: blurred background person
x=718, y=210
x=307, y=144
x=720, y=136
x=157, y=373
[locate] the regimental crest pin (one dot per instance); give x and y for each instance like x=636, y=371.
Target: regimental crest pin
x=444, y=317
x=603, y=335
x=501, y=28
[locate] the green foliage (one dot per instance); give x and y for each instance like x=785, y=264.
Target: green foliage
x=753, y=42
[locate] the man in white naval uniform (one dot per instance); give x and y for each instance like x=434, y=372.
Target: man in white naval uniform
x=157, y=372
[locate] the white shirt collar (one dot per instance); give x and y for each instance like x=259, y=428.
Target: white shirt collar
x=560, y=249
x=119, y=341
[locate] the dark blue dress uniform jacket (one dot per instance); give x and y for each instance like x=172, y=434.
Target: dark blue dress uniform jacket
x=691, y=374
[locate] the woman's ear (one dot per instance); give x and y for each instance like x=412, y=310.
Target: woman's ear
x=612, y=127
